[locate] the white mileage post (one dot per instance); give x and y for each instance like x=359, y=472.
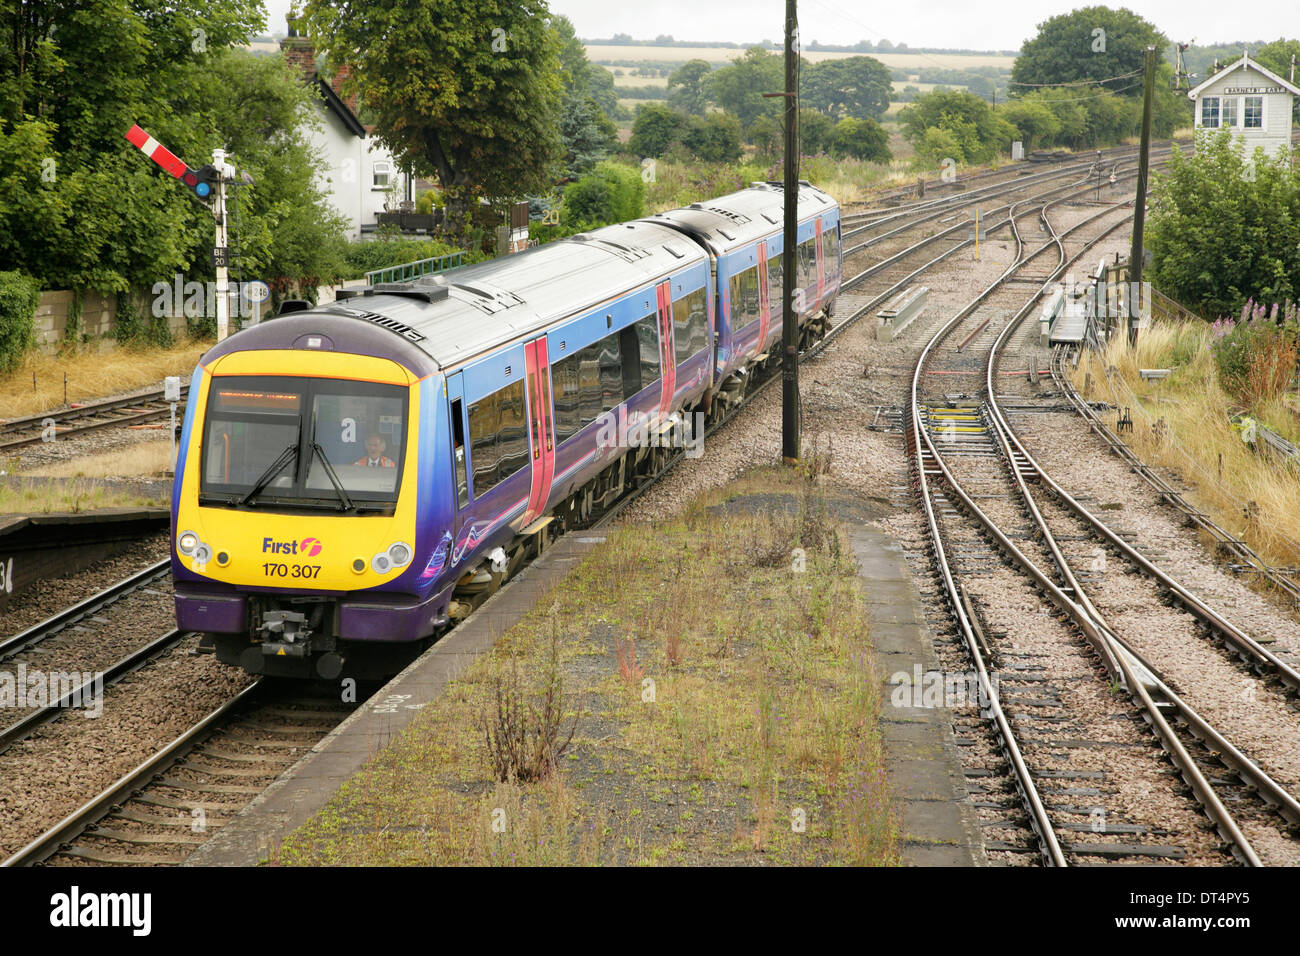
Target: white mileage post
x=172, y=394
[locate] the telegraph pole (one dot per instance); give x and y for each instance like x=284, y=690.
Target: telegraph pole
x=789, y=319
x=1140, y=207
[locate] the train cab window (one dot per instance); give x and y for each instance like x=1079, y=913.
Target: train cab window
x=303, y=443
x=458, y=451
x=690, y=325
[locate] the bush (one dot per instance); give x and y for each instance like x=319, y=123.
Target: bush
x=1256, y=357
x=609, y=193
x=656, y=128
x=19, y=296
x=860, y=139
x=364, y=256
x=136, y=328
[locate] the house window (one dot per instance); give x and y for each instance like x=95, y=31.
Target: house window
x=1254, y=114
x=1229, y=115
x=1210, y=112
x=383, y=173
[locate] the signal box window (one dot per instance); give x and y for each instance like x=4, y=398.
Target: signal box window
x=1254, y=112
x=1210, y=112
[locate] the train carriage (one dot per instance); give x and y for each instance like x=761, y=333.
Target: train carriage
x=352, y=478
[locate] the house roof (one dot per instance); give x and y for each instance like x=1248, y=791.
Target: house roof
x=335, y=103
x=1244, y=63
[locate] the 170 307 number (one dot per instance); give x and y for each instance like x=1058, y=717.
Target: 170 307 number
x=273, y=570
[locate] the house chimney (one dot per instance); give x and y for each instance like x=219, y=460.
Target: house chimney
x=337, y=84
x=299, y=53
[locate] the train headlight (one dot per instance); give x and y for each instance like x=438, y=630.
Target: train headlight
x=399, y=554
x=202, y=554
x=187, y=542
x=380, y=563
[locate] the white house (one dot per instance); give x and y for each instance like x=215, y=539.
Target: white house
x=1249, y=99
x=364, y=180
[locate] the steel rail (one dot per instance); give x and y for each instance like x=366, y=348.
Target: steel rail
x=37, y=633
x=77, y=822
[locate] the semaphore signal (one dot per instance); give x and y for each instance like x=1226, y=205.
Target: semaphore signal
x=205, y=182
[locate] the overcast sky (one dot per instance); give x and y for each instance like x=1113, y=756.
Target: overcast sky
x=967, y=24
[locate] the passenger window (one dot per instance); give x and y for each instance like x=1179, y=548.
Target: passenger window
x=690, y=325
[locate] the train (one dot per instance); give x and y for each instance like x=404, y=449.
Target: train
x=355, y=477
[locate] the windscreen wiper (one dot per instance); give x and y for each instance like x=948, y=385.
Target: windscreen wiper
x=271, y=472
x=333, y=476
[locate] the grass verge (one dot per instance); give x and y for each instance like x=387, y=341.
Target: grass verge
x=147, y=459
x=91, y=374
x=1182, y=423
x=720, y=669
x=18, y=496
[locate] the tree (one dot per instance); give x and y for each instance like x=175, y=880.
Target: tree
x=1035, y=124
x=610, y=193
x=856, y=86
x=977, y=133
x=656, y=128
x=860, y=139
x=815, y=132
x=79, y=208
x=739, y=88
x=1276, y=56
x=686, y=87
x=767, y=134
x=588, y=134
x=468, y=90
x=1090, y=44
x=1222, y=227
x=714, y=138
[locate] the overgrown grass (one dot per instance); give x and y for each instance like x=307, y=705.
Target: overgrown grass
x=1182, y=423
x=59, y=497
x=92, y=374
x=728, y=712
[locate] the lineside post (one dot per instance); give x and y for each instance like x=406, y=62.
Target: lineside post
x=789, y=317
x=1140, y=206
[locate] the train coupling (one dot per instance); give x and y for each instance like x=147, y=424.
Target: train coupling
x=285, y=634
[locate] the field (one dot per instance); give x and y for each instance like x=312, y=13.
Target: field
x=605, y=54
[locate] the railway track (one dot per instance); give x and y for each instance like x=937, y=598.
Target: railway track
x=83, y=418
x=964, y=452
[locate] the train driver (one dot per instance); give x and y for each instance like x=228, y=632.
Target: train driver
x=374, y=457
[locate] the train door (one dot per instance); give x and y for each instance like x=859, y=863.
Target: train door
x=764, y=300
x=667, y=353
x=821, y=261
x=541, y=428
x=459, y=431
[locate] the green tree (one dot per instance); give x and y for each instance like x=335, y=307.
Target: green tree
x=739, y=88
x=656, y=128
x=856, y=86
x=1086, y=45
x=468, y=90
x=1222, y=227
x=860, y=139
x=816, y=130
x=610, y=193
x=1276, y=56
x=79, y=208
x=714, y=138
x=977, y=133
x=1035, y=123
x=686, y=87
x=767, y=136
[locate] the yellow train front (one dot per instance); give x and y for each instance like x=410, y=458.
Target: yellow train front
x=295, y=506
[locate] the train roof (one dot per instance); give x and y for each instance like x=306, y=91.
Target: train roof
x=457, y=315
x=742, y=217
